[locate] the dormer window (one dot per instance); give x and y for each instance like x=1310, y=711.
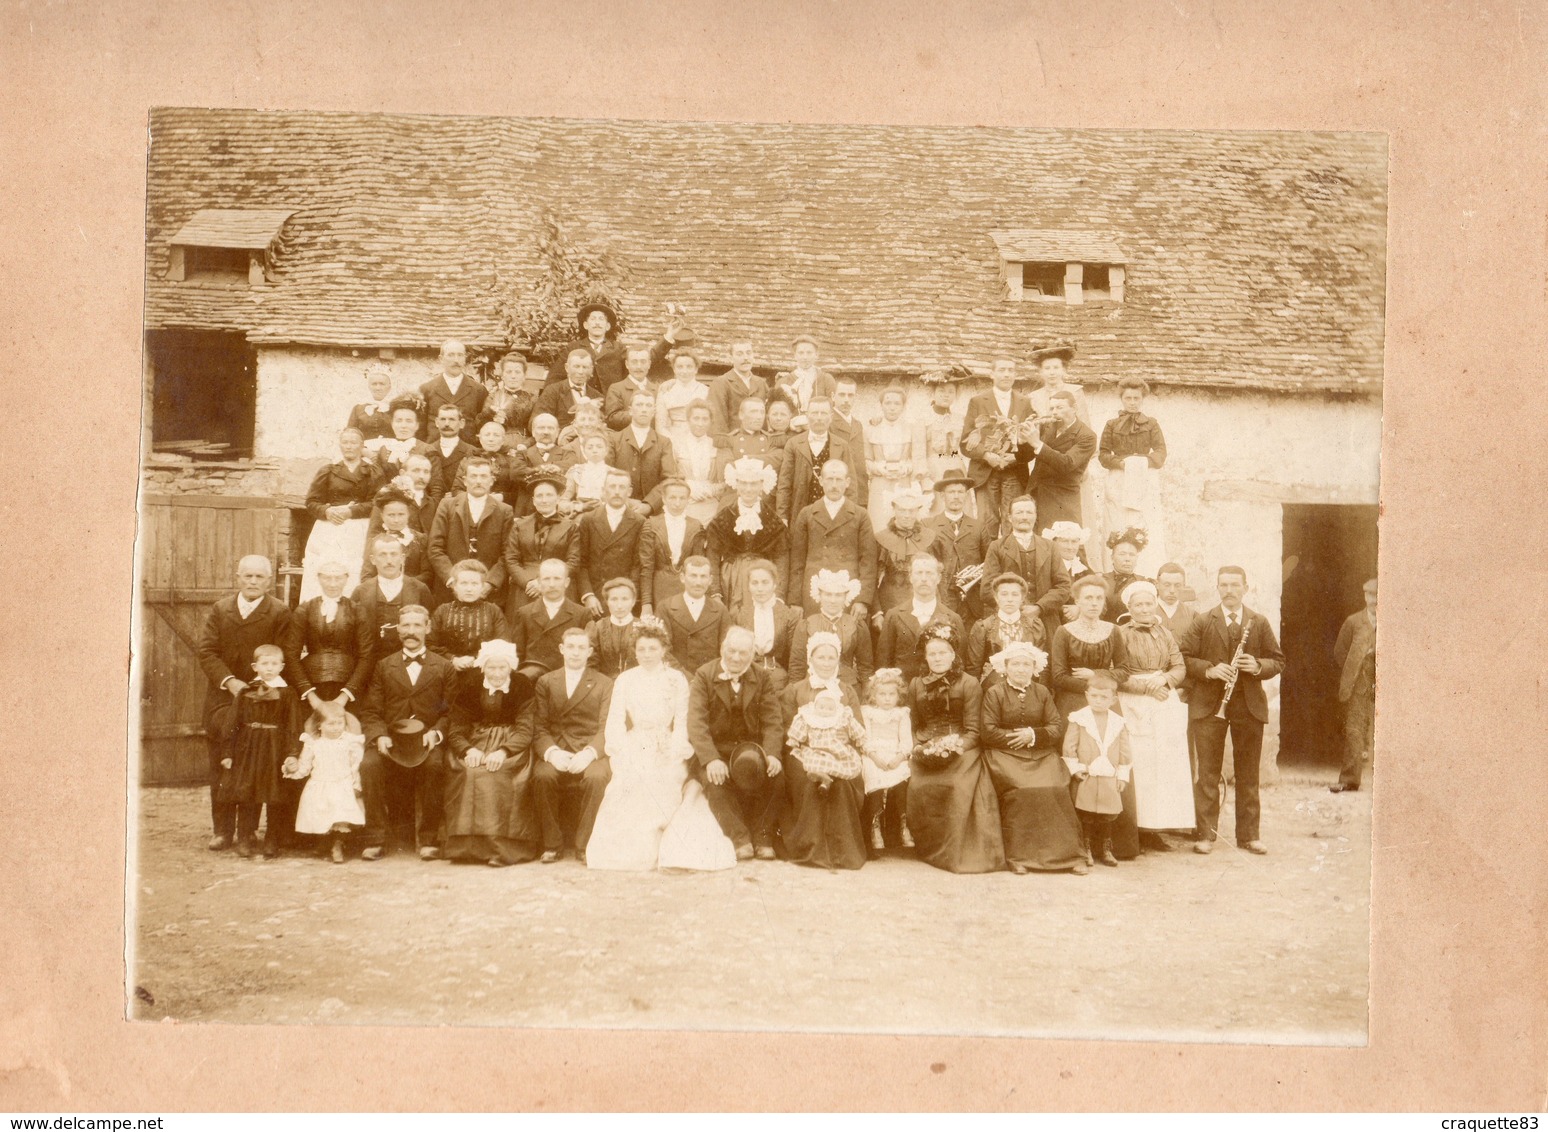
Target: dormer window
x=1060, y=266
x=234, y=246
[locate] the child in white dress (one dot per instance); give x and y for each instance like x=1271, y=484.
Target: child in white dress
x=583, y=482
x=889, y=741
x=330, y=763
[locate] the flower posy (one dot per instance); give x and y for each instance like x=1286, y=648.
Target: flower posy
x=942, y=749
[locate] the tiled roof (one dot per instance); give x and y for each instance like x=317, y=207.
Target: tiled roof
x=1253, y=258
x=253, y=228
x=1056, y=245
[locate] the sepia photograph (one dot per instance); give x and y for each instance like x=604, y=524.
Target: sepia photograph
x=758, y=576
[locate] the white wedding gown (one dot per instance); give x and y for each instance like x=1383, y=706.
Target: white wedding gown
x=653, y=814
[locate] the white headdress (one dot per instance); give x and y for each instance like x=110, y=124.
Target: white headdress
x=835, y=580
x=909, y=496
x=817, y=640
x=1020, y=649
x=751, y=468
x=496, y=650
x=1139, y=585
x=1066, y=529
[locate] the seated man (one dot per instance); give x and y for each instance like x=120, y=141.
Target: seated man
x=735, y=728
x=571, y=711
x=538, y=626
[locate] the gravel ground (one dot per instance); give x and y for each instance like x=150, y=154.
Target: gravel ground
x=1230, y=947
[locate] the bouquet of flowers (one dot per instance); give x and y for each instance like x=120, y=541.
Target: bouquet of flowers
x=997, y=434
x=940, y=750
x=956, y=371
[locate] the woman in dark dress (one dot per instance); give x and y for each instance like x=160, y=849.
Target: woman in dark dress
x=952, y=812
x=329, y=647
x=746, y=530
x=1080, y=648
x=490, y=816
x=1021, y=735
x=822, y=827
x=835, y=591
x=340, y=500
x=1125, y=547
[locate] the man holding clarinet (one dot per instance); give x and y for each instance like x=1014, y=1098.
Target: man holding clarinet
x=1229, y=652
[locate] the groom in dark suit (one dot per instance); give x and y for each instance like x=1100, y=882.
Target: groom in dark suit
x=404, y=718
x=1207, y=647
x=733, y=704
x=571, y=711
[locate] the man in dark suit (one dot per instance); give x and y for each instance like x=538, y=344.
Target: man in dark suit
x=897, y=644
x=456, y=387
x=695, y=618
x=604, y=356
x=449, y=448
x=846, y=425
x=833, y=533
x=544, y=458
x=732, y=702
x=425, y=491
x=730, y=389
x=669, y=540
x=1355, y=654
x=609, y=541
x=473, y=524
x=997, y=477
x=535, y=538
x=806, y=453
x=1207, y=648
x=969, y=538
x=560, y=397
x=233, y=628
x=642, y=452
x=404, y=719
x=1056, y=458
x=570, y=714
x=383, y=595
x=619, y=396
x=1035, y=560
x=395, y=518
x=538, y=626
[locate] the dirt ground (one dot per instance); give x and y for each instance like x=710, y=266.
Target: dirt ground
x=1226, y=947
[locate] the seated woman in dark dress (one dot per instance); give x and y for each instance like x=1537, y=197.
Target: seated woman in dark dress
x=952, y=812
x=823, y=826
x=1021, y=734
x=490, y=815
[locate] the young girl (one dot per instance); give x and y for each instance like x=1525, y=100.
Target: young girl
x=261, y=731
x=826, y=738
x=613, y=637
x=330, y=763
x=884, y=768
x=1096, y=749
x=583, y=482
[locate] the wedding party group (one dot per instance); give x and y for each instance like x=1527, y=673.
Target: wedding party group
x=659, y=620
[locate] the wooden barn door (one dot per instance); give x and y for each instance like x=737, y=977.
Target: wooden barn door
x=190, y=546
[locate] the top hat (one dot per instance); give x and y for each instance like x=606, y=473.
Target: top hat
x=748, y=766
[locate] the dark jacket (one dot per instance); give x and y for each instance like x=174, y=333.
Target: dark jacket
x=322, y=652
x=392, y=698
x=1205, y=643
x=647, y=466
x=984, y=405
x=819, y=541
x=381, y=615
x=571, y=723
x=660, y=573
x=694, y=643
x=797, y=483
x=605, y=553
x=470, y=398
x=897, y=646
x=607, y=363
x=226, y=644
x=727, y=392
x=1048, y=586
x=1061, y=466
x=1131, y=434
x=337, y=486
x=530, y=542
x=558, y=400
x=455, y=536
x=537, y=638
x=444, y=470
x=619, y=397
x=719, y=717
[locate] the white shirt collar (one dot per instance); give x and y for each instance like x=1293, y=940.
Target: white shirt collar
x=957, y=518
x=552, y=608
x=640, y=434
x=246, y=608
x=454, y=383
x=613, y=517
x=695, y=605
x=572, y=680
x=1169, y=610
x=390, y=587
x=449, y=444
x=1004, y=399
x=329, y=607
x=817, y=444
x=923, y=613
x=674, y=522
x=476, y=506
x=832, y=507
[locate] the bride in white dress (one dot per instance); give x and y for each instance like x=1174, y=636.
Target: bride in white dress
x=653, y=814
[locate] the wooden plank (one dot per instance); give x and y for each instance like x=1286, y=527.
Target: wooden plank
x=234, y=502
x=150, y=536
x=165, y=547
x=225, y=554
x=185, y=595
x=185, y=548
x=205, y=549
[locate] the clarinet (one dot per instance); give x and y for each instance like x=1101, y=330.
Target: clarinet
x=1230, y=681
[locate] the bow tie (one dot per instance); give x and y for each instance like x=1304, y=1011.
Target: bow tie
x=413, y=657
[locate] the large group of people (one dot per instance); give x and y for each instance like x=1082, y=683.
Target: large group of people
x=659, y=621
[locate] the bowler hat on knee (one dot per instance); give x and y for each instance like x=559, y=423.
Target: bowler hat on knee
x=748, y=766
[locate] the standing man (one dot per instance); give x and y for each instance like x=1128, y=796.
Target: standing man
x=1035, y=560
x=544, y=458
x=422, y=491
x=1056, y=459
x=749, y=437
x=233, y=628
x=456, y=387
x=620, y=395
x=969, y=538
x=1207, y=648
x=448, y=449
x=472, y=524
x=804, y=382
x=1355, y=654
x=609, y=541
x=640, y=450
x=997, y=477
x=833, y=533
x=846, y=426
x=734, y=726
x=571, y=713
x=538, y=625
x=805, y=455
x=559, y=398
x=404, y=719
x=727, y=391
x=897, y=645
x=598, y=342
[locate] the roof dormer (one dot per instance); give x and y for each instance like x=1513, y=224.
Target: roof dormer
x=227, y=245
x=1048, y=265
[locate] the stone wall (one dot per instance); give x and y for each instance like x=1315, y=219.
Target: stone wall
x=170, y=475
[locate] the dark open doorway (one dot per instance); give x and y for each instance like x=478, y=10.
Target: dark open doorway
x=1329, y=553
x=204, y=393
